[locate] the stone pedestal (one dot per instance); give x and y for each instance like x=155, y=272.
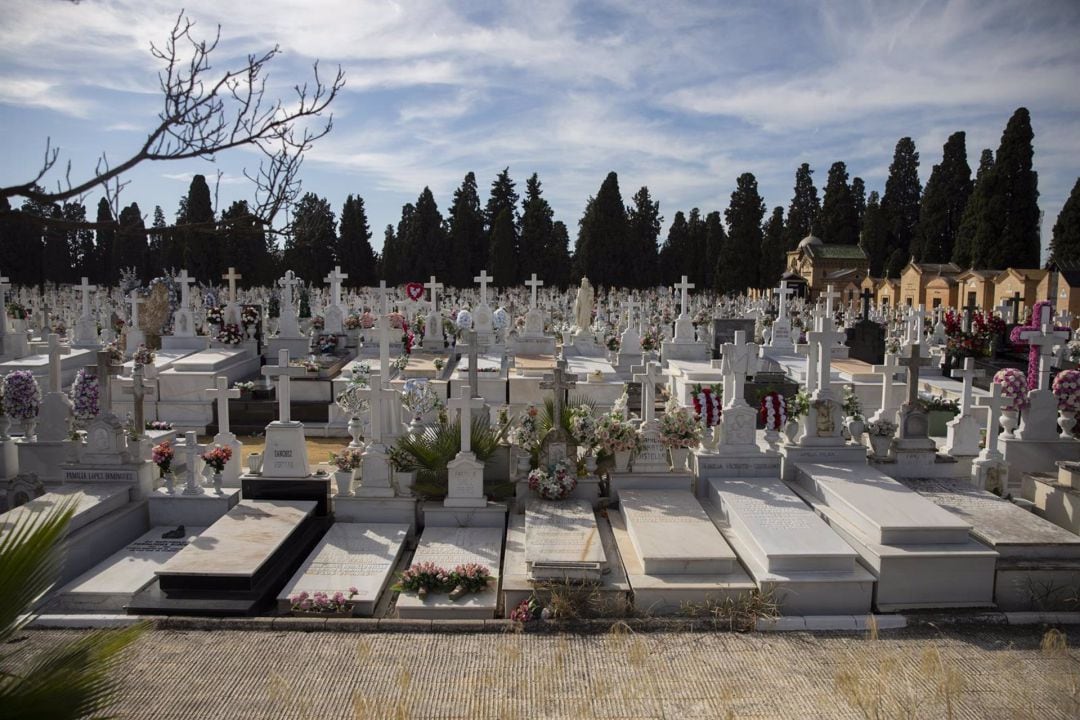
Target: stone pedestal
x=190, y=510
x=374, y=474
x=286, y=451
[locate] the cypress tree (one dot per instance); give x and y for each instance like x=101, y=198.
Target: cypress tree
x=839, y=216
x=1065, y=244
x=354, y=251
x=309, y=250
x=424, y=244
x=503, y=197
x=602, y=234
x=466, y=236
x=943, y=203
x=559, y=270
x=715, y=237
x=964, y=246
x=740, y=262
x=678, y=238
x=388, y=262
x=875, y=236
x=503, y=257
x=644, y=221
x=901, y=203
x=693, y=262
x=804, y=208
x=199, y=242
x=535, y=250
x=1007, y=227
x=773, y=257
x=129, y=250
x=246, y=245
x=107, y=272
x=55, y=255
x=81, y=241
x=858, y=196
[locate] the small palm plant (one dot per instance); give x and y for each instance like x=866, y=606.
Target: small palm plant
x=428, y=453
x=71, y=680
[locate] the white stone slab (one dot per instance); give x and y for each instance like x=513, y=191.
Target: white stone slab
x=562, y=540
x=239, y=544
x=672, y=535
x=110, y=584
x=212, y=360
x=350, y=555
x=449, y=547
x=94, y=501
x=885, y=510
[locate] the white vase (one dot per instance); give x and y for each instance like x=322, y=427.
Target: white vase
x=678, y=458
x=855, y=429
x=880, y=445
x=217, y=484
x=1067, y=421
x=169, y=482
x=1010, y=420
x=344, y=479
x=791, y=430
x=622, y=460
x=255, y=461
x=30, y=429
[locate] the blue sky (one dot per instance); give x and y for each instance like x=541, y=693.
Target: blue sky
x=682, y=97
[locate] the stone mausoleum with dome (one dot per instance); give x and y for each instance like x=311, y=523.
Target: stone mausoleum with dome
x=814, y=264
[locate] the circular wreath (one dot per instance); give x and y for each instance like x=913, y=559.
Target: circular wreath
x=707, y=407
x=554, y=483
x=773, y=411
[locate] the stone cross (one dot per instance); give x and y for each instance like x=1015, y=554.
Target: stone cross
x=559, y=382
x=384, y=337
x=465, y=405
x=192, y=449
x=888, y=374
x=969, y=311
x=375, y=395
x=866, y=296
x=1044, y=338
x=288, y=282
x=281, y=372
x=334, y=278
x=683, y=287
x=483, y=278
x=221, y=393
x=105, y=371
x=830, y=295
x=434, y=287
x=631, y=307
x=184, y=281
x=1015, y=301
x=54, y=363
x=86, y=288
x=968, y=374
x=648, y=376
x=913, y=362
x=232, y=276
x=533, y=284
x=784, y=292
x=139, y=386
x=823, y=340
x=135, y=301
x=474, y=381
x=739, y=360
x=993, y=404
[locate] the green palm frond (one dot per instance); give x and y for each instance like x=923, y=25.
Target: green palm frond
x=31, y=557
x=574, y=401
x=427, y=454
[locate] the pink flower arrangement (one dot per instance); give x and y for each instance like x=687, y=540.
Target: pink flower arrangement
x=320, y=602
x=427, y=577
x=218, y=457
x=1033, y=324
x=1066, y=389
x=1014, y=388
x=163, y=455
x=773, y=411
x=554, y=483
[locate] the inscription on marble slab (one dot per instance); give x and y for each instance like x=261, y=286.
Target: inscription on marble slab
x=652, y=458
x=562, y=540
x=99, y=475
x=672, y=534
x=448, y=547
x=752, y=466
x=465, y=482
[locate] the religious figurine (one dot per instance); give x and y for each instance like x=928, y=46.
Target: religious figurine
x=825, y=424
x=583, y=305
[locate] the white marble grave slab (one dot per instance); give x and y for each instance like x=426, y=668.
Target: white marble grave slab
x=110, y=585
x=94, y=501
x=562, y=540
x=449, y=547
x=672, y=535
x=213, y=360
x=350, y=555
x=240, y=543
x=884, y=509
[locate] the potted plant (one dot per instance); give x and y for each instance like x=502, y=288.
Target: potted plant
x=618, y=437
x=679, y=431
x=853, y=411
x=1066, y=389
x=21, y=400
x=216, y=459
x=347, y=462
x=1014, y=387
x=881, y=433
x=707, y=403
x=798, y=406
x=162, y=455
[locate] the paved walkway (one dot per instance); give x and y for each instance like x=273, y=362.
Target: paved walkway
x=980, y=673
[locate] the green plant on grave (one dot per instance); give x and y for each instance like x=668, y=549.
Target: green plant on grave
x=74, y=679
x=852, y=405
x=428, y=454
x=798, y=405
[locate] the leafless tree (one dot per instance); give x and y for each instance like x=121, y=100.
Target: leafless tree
x=204, y=114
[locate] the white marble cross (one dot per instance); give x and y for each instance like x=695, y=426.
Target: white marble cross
x=281, y=372
x=139, y=386
x=993, y=404
x=913, y=362
x=288, y=282
x=740, y=359
x=232, y=276
x=483, y=278
x=648, y=377
x=888, y=374
x=968, y=375
x=334, y=278
x=684, y=287
x=533, y=283
x=185, y=281
x=830, y=295
x=784, y=292
x=135, y=301
x=823, y=341
x=1044, y=338
x=86, y=288
x=465, y=405
x=384, y=337
x=559, y=381
x=192, y=449
x=221, y=393
x=54, y=362
x=434, y=287
x=631, y=307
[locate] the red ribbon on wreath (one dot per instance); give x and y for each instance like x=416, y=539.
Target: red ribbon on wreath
x=707, y=407
x=773, y=411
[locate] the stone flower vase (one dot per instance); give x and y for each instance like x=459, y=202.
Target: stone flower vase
x=855, y=429
x=622, y=460
x=1067, y=421
x=169, y=482
x=1010, y=420
x=344, y=479
x=30, y=429
x=791, y=430
x=217, y=483
x=880, y=445
x=255, y=461
x=678, y=458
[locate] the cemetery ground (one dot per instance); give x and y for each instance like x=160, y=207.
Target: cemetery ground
x=957, y=671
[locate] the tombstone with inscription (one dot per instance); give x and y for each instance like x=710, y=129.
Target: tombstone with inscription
x=867, y=338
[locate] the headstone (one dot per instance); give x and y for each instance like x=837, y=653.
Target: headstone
x=465, y=474
x=1039, y=420
x=962, y=432
x=562, y=541
x=285, y=455
x=222, y=393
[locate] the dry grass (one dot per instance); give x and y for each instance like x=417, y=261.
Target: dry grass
x=572, y=600
x=739, y=613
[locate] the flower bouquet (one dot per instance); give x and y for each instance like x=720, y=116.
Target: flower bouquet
x=230, y=334
x=249, y=315
x=423, y=578
x=320, y=603
x=162, y=456
x=347, y=460
x=318, y=322
x=616, y=436
x=116, y=354
x=1066, y=389
x=1014, y=388
x=158, y=425
x=707, y=405
x=773, y=411
x=214, y=315
x=469, y=578
x=22, y=396
x=143, y=356
x=554, y=483
x=352, y=322
x=218, y=457
x=326, y=344
x=85, y=395
x=679, y=428
x=583, y=426
x=527, y=433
